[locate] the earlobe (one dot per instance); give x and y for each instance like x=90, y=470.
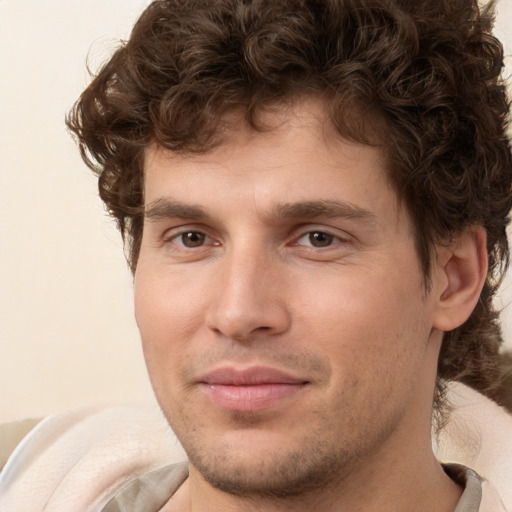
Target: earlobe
x=461, y=273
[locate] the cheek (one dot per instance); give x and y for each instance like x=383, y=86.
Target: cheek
x=168, y=314
x=166, y=302
x=371, y=328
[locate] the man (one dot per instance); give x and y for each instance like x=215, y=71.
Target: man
x=314, y=198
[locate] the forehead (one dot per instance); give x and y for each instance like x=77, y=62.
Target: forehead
x=296, y=155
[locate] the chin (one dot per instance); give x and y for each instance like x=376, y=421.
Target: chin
x=282, y=477
x=263, y=467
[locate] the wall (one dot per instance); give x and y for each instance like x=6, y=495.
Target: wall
x=67, y=334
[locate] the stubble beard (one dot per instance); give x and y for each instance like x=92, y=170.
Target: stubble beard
x=272, y=475
x=326, y=457
x=318, y=462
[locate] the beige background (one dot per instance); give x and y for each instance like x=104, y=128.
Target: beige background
x=67, y=334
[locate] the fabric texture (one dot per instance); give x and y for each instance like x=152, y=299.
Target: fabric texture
x=478, y=435
x=77, y=460
x=149, y=493
x=478, y=495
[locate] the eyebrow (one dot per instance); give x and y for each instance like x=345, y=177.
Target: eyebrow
x=325, y=208
x=167, y=208
x=164, y=208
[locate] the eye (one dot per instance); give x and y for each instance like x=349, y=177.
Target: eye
x=317, y=239
x=191, y=239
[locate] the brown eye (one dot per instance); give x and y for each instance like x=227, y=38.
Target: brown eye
x=191, y=239
x=320, y=239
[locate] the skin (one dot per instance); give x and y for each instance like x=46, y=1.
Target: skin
x=238, y=270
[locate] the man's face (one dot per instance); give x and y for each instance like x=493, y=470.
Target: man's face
x=281, y=306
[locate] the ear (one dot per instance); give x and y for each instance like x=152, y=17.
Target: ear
x=459, y=277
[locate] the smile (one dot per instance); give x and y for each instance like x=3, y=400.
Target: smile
x=250, y=390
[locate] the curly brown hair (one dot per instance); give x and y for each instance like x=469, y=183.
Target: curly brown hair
x=430, y=70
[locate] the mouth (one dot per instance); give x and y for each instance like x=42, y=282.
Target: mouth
x=250, y=389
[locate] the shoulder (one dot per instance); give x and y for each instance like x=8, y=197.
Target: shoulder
x=478, y=435
x=478, y=495
x=149, y=492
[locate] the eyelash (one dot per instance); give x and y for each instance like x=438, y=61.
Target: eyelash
x=312, y=234
x=331, y=238
x=175, y=236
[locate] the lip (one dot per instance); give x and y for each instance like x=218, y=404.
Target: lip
x=250, y=389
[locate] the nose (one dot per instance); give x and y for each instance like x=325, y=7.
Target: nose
x=249, y=300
